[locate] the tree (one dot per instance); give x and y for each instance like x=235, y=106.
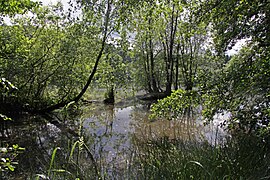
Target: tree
x=39, y=55
x=169, y=19
x=191, y=47
x=105, y=14
x=170, y=31
x=96, y=11
x=12, y=7
x=113, y=71
x=241, y=87
x=48, y=53
x=147, y=43
x=239, y=19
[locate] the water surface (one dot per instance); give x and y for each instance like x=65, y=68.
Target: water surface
x=110, y=133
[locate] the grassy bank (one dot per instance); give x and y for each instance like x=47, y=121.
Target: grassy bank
x=241, y=157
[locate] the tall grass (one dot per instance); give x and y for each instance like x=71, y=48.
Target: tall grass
x=72, y=166
x=242, y=157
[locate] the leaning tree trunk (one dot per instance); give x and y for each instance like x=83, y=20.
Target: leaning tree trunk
x=90, y=78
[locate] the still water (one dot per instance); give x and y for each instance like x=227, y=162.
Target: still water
x=102, y=137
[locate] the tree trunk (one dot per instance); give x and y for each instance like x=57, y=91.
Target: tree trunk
x=147, y=69
x=90, y=78
x=153, y=79
x=177, y=68
x=170, y=47
x=110, y=97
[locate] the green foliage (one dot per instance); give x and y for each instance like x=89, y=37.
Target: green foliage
x=46, y=56
x=7, y=89
x=113, y=70
x=242, y=88
x=6, y=85
x=238, y=19
x=72, y=168
x=179, y=103
x=49, y=55
x=241, y=157
x=12, y=7
x=168, y=45
x=9, y=157
x=52, y=160
x=8, y=154
x=238, y=85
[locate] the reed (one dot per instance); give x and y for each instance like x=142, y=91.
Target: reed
x=243, y=157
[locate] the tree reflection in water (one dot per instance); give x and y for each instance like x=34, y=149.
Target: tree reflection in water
x=109, y=133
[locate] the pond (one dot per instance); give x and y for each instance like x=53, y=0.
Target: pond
x=101, y=142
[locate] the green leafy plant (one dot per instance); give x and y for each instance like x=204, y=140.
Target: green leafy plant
x=179, y=103
x=8, y=157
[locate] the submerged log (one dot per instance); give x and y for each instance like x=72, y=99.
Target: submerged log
x=153, y=96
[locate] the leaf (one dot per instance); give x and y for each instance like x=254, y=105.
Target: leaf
x=52, y=159
x=197, y=163
x=59, y=170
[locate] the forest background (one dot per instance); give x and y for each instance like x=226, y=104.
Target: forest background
x=51, y=56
